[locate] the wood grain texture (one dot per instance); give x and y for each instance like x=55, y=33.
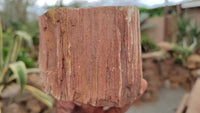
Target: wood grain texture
x=91, y=55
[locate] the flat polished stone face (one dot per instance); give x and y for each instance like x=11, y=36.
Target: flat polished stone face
x=91, y=55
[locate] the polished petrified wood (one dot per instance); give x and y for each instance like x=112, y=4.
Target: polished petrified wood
x=91, y=55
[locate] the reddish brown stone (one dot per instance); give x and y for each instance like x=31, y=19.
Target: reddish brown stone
x=91, y=55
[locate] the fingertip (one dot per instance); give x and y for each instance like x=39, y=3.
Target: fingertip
x=144, y=85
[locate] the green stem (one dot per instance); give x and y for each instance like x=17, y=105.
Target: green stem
x=1, y=48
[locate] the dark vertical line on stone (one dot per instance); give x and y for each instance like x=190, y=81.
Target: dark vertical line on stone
x=139, y=50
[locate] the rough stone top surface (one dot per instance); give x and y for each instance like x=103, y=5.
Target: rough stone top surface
x=91, y=55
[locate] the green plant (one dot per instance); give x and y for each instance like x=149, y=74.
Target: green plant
x=27, y=50
x=183, y=26
x=188, y=35
x=153, y=12
x=25, y=57
x=147, y=44
x=10, y=70
x=194, y=34
x=15, y=12
x=181, y=54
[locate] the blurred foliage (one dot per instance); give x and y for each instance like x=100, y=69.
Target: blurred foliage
x=76, y=4
x=194, y=34
x=24, y=53
x=15, y=17
x=15, y=12
x=12, y=71
x=194, y=30
x=189, y=33
x=157, y=12
x=181, y=54
x=172, y=10
x=153, y=12
x=18, y=50
x=80, y=4
x=25, y=57
x=148, y=45
x=187, y=39
x=183, y=25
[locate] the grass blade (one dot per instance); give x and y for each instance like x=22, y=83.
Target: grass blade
x=13, y=51
x=44, y=98
x=1, y=88
x=1, y=48
x=27, y=38
x=20, y=72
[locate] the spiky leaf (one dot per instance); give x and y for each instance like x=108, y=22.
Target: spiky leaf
x=44, y=98
x=13, y=51
x=1, y=48
x=20, y=72
x=26, y=37
x=1, y=88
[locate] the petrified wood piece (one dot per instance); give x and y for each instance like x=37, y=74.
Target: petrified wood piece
x=91, y=55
